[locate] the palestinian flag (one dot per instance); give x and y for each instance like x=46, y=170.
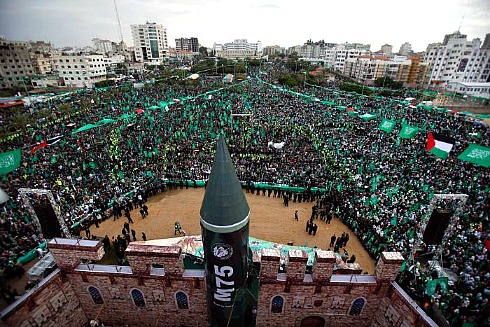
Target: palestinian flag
x=46, y=143
x=43, y=144
x=439, y=145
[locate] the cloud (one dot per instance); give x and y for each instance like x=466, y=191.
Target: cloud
x=282, y=22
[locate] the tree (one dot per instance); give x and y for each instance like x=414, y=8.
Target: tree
x=388, y=82
x=203, y=52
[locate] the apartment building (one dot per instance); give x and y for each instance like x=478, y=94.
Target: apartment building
x=336, y=57
x=311, y=49
x=150, y=42
x=238, y=49
x=458, y=60
x=187, y=45
x=368, y=68
x=80, y=70
x=15, y=63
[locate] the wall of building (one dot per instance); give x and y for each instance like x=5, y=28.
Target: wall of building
x=52, y=303
x=80, y=292
x=15, y=63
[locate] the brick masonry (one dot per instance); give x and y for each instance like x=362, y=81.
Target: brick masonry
x=64, y=299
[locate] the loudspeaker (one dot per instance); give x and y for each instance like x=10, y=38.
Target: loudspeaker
x=436, y=227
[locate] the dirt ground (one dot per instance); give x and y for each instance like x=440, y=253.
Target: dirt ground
x=269, y=220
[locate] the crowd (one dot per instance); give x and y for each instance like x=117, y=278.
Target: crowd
x=163, y=136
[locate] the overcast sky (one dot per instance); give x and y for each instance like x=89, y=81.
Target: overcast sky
x=282, y=22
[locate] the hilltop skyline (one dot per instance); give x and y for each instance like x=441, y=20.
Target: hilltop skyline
x=285, y=23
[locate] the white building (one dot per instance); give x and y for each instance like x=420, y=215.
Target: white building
x=387, y=49
x=458, y=60
x=481, y=90
x=238, y=49
x=150, y=43
x=405, y=49
x=336, y=57
x=311, y=49
x=104, y=46
x=80, y=71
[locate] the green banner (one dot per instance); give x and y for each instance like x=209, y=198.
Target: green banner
x=408, y=131
x=368, y=117
x=387, y=125
x=477, y=154
x=9, y=161
x=432, y=285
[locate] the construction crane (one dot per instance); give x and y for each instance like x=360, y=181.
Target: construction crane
x=118, y=23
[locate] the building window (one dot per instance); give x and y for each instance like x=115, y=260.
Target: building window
x=138, y=298
x=357, y=306
x=277, y=304
x=181, y=300
x=95, y=294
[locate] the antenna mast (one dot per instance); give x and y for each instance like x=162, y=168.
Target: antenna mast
x=118, y=23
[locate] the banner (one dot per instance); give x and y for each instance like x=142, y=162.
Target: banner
x=387, y=125
x=477, y=154
x=408, y=131
x=368, y=117
x=9, y=161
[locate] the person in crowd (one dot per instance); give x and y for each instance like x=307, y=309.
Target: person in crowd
x=357, y=173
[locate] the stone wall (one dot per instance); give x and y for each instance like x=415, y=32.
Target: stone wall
x=334, y=300
x=52, y=303
x=144, y=294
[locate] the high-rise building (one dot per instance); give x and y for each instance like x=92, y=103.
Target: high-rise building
x=15, y=63
x=387, y=49
x=150, y=42
x=187, y=44
x=457, y=59
x=405, y=49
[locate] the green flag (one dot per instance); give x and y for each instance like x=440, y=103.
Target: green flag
x=368, y=117
x=9, y=161
x=387, y=125
x=408, y=131
x=393, y=221
x=404, y=266
x=477, y=154
x=431, y=287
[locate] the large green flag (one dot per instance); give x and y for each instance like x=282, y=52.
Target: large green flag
x=477, y=154
x=408, y=131
x=9, y=161
x=387, y=125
